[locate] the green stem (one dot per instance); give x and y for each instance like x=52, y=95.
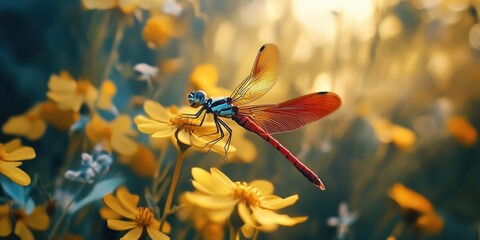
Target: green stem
x=115, y=45
x=173, y=185
x=65, y=212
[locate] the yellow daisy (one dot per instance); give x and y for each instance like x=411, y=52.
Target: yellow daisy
x=165, y=122
x=37, y=220
x=11, y=154
x=70, y=94
x=253, y=202
x=29, y=125
x=125, y=204
x=157, y=31
x=205, y=77
x=417, y=209
x=115, y=135
x=199, y=217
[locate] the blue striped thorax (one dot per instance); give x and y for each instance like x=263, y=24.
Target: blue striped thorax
x=220, y=106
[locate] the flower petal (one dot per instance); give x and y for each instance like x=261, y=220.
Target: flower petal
x=107, y=213
x=23, y=153
x=222, y=178
x=156, y=111
x=38, y=129
x=248, y=231
x=273, y=202
x=123, y=144
x=15, y=174
x=116, y=206
x=120, y=225
x=264, y=186
x=13, y=145
x=17, y=125
x=156, y=234
x=246, y=214
x=211, y=183
x=38, y=219
x=22, y=231
x=133, y=234
x=211, y=202
x=268, y=217
x=6, y=224
x=129, y=201
x=152, y=128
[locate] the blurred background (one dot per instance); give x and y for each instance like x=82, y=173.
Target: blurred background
x=408, y=74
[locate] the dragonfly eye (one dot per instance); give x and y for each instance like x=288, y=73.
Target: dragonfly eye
x=197, y=98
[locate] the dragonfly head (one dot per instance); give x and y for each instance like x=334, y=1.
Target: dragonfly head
x=197, y=98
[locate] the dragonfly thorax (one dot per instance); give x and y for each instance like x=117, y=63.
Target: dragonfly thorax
x=197, y=98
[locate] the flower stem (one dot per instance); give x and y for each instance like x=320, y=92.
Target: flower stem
x=65, y=212
x=115, y=45
x=173, y=185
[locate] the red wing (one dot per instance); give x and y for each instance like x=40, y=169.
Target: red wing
x=263, y=76
x=292, y=114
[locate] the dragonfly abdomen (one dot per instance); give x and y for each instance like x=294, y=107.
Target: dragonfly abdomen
x=247, y=123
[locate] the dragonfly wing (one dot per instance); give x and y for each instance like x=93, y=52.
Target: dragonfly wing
x=263, y=76
x=292, y=114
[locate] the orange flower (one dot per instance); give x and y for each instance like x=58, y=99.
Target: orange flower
x=113, y=135
x=417, y=208
x=205, y=77
x=107, y=92
x=157, y=31
x=142, y=162
x=389, y=132
x=69, y=94
x=462, y=130
x=29, y=125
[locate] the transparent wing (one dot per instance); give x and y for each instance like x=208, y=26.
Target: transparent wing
x=293, y=114
x=263, y=76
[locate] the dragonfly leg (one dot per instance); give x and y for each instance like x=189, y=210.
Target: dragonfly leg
x=195, y=116
x=229, y=139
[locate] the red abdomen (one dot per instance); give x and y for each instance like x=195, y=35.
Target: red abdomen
x=247, y=123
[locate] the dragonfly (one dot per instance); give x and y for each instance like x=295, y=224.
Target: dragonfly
x=266, y=119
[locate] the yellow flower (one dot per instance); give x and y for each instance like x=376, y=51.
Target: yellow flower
x=33, y=123
x=417, y=209
x=10, y=155
x=57, y=118
x=125, y=204
x=37, y=220
x=29, y=125
x=142, y=162
x=157, y=31
x=107, y=92
x=252, y=202
x=462, y=130
x=113, y=135
x=387, y=132
x=205, y=77
x=163, y=122
x=126, y=6
x=199, y=217
x=69, y=94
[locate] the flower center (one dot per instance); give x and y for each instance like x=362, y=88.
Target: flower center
x=107, y=132
x=19, y=214
x=178, y=122
x=32, y=116
x=82, y=87
x=144, y=216
x=247, y=193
